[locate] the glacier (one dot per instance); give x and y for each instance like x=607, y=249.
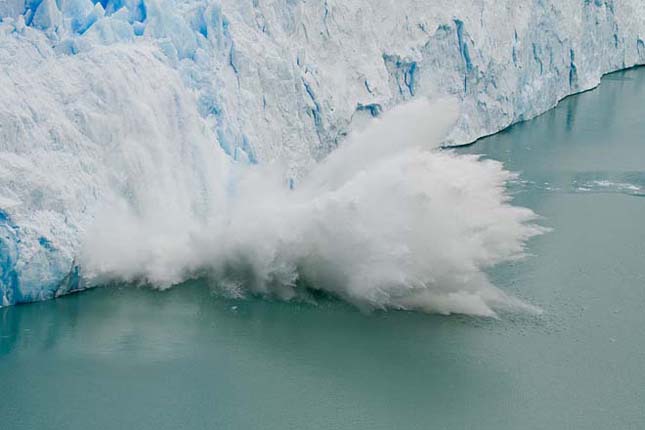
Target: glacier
x=126, y=126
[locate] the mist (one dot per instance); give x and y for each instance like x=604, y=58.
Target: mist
x=389, y=220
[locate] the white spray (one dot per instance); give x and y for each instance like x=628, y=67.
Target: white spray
x=388, y=220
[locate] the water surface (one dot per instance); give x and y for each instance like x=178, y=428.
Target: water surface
x=126, y=358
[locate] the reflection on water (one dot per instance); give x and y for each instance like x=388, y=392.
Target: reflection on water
x=241, y=364
x=183, y=358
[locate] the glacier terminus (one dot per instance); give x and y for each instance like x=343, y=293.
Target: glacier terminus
x=152, y=104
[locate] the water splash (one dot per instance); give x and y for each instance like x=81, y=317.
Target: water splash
x=387, y=221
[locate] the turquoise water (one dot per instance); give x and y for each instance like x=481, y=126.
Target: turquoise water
x=126, y=358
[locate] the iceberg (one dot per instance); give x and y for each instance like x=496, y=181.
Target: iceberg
x=155, y=109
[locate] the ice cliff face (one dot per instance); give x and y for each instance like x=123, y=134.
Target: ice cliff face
x=81, y=132
x=101, y=100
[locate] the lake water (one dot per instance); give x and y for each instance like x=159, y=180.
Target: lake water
x=126, y=358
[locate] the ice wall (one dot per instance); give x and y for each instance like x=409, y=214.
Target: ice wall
x=113, y=127
x=288, y=79
x=338, y=61
x=266, y=81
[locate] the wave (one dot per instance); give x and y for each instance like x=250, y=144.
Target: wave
x=388, y=220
